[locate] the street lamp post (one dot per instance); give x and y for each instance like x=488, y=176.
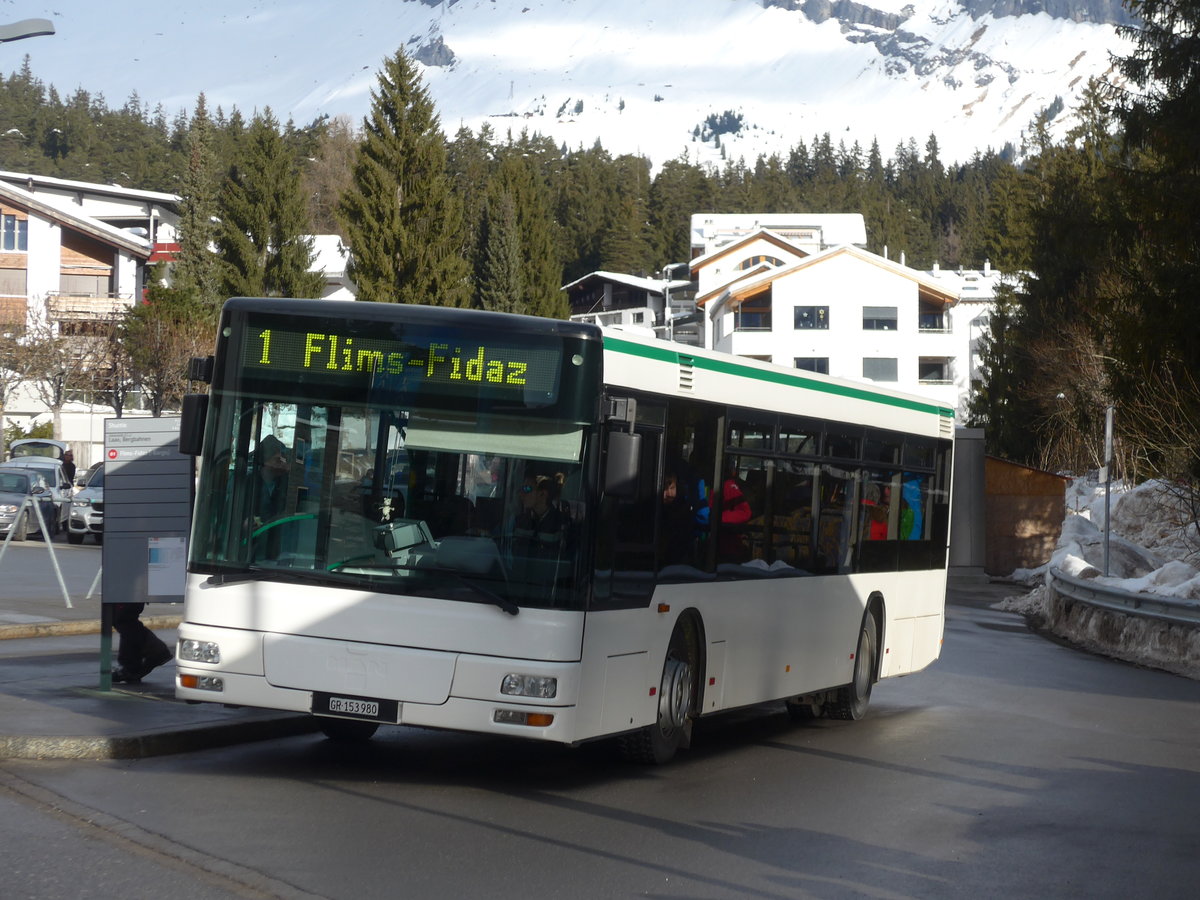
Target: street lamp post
x=1108, y=465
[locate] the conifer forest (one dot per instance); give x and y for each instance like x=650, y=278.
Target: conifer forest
x=1099, y=225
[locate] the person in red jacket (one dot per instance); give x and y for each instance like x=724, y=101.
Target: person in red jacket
x=732, y=546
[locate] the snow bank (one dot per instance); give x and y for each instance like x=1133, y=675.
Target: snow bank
x=1153, y=548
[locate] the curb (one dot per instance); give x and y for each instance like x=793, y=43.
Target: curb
x=164, y=743
x=78, y=626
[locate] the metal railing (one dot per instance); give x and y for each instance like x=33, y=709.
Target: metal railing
x=1148, y=606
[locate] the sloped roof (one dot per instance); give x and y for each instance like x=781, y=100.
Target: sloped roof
x=89, y=187
x=650, y=285
x=735, y=246
x=742, y=287
x=101, y=231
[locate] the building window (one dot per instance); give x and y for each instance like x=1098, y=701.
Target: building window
x=812, y=317
x=931, y=321
x=818, y=364
x=754, y=313
x=933, y=370
x=879, y=318
x=751, y=261
x=16, y=233
x=880, y=369
x=12, y=282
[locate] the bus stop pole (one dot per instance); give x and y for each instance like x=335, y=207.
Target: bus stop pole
x=106, y=623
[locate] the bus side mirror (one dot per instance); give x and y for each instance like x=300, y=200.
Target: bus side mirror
x=621, y=471
x=191, y=423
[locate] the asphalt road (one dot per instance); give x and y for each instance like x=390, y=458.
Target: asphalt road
x=1013, y=767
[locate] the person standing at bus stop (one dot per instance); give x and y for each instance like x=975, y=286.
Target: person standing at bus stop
x=140, y=650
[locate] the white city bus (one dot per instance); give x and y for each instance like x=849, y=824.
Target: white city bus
x=494, y=523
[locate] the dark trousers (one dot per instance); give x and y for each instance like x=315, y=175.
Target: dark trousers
x=138, y=643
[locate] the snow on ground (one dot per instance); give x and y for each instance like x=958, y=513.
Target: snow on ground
x=1154, y=547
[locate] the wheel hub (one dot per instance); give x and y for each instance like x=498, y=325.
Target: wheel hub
x=675, y=694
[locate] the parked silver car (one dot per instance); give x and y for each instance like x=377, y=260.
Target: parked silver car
x=54, y=479
x=87, y=509
x=18, y=516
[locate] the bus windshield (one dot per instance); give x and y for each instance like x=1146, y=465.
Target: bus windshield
x=374, y=478
x=401, y=501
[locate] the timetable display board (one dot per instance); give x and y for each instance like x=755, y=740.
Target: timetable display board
x=148, y=493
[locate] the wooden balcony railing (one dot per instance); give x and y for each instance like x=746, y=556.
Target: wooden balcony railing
x=87, y=306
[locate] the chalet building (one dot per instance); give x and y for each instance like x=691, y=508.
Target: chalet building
x=665, y=307
x=62, y=267
x=74, y=255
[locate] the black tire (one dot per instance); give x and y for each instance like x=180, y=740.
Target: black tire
x=21, y=527
x=74, y=537
x=850, y=702
x=658, y=743
x=348, y=731
x=99, y=538
x=805, y=712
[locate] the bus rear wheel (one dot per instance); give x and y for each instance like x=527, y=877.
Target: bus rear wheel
x=851, y=701
x=658, y=743
x=348, y=731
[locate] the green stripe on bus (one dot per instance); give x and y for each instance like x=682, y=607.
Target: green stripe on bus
x=665, y=354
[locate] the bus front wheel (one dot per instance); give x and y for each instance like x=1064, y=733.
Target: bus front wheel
x=656, y=744
x=851, y=701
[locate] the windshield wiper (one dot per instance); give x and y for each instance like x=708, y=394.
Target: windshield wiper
x=503, y=602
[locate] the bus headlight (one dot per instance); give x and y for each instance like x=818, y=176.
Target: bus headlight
x=541, y=686
x=199, y=651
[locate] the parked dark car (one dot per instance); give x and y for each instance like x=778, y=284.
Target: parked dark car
x=19, y=489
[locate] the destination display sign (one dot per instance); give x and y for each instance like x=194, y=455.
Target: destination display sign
x=442, y=362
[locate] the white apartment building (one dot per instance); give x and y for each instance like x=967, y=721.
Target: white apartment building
x=805, y=293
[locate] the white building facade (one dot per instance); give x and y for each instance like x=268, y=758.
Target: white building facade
x=809, y=296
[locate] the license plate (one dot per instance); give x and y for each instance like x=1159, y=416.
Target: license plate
x=355, y=707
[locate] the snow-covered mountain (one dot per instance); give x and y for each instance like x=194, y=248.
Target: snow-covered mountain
x=705, y=79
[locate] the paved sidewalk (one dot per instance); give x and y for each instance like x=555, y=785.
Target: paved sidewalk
x=51, y=704
x=52, y=707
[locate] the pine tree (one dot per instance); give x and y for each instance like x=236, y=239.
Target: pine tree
x=263, y=239
x=625, y=247
x=196, y=270
x=502, y=287
x=582, y=211
x=517, y=175
x=403, y=224
x=1156, y=341
x=679, y=190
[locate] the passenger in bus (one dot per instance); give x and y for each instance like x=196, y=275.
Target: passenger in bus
x=538, y=531
x=271, y=479
x=912, y=519
x=877, y=506
x=732, y=546
x=271, y=464
x=678, y=523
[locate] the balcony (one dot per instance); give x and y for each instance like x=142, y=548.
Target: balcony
x=64, y=307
